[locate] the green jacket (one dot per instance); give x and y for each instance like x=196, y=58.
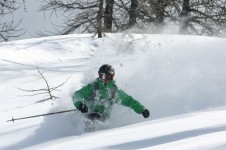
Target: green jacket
x=100, y=97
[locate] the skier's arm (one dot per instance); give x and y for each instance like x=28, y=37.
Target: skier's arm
x=82, y=95
x=129, y=101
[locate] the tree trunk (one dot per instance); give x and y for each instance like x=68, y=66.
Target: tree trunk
x=160, y=9
x=184, y=17
x=160, y=14
x=99, y=19
x=108, y=15
x=133, y=12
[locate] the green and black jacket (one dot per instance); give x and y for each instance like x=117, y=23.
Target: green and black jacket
x=100, y=96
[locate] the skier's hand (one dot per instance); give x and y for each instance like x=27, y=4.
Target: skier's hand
x=145, y=113
x=83, y=108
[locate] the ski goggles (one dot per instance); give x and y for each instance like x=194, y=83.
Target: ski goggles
x=105, y=76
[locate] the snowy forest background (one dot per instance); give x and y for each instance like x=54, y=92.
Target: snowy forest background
x=61, y=17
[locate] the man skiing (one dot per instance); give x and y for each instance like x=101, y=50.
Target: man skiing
x=97, y=98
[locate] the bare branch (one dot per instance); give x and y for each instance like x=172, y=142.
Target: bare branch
x=48, y=90
x=9, y=29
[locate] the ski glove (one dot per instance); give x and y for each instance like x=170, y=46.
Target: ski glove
x=145, y=113
x=83, y=108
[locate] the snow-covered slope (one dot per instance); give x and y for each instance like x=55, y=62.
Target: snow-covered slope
x=180, y=79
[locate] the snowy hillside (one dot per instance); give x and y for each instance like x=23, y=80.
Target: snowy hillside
x=180, y=79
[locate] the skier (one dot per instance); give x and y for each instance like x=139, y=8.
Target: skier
x=97, y=98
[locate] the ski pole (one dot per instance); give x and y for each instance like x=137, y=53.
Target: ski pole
x=40, y=115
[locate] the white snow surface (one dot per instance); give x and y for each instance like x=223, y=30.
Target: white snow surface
x=180, y=79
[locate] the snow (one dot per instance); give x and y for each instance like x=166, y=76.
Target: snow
x=180, y=79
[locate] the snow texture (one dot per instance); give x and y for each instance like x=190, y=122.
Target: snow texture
x=180, y=79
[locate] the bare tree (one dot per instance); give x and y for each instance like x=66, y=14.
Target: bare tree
x=133, y=12
x=9, y=29
x=121, y=15
x=154, y=13
x=80, y=16
x=184, y=17
x=99, y=19
x=202, y=17
x=94, y=16
x=159, y=12
x=108, y=15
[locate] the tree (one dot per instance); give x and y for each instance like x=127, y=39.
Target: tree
x=154, y=13
x=80, y=16
x=184, y=17
x=99, y=19
x=133, y=12
x=108, y=15
x=202, y=17
x=159, y=12
x=205, y=17
x=94, y=16
x=8, y=29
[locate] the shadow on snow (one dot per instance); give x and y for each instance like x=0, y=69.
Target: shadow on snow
x=167, y=138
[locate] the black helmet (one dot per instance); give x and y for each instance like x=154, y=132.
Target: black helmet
x=106, y=72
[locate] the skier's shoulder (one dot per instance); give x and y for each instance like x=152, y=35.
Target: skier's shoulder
x=89, y=86
x=93, y=83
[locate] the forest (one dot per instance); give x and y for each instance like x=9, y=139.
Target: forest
x=194, y=17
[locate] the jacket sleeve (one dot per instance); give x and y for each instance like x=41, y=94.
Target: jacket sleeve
x=82, y=95
x=129, y=101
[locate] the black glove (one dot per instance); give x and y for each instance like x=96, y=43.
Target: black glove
x=145, y=113
x=83, y=108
